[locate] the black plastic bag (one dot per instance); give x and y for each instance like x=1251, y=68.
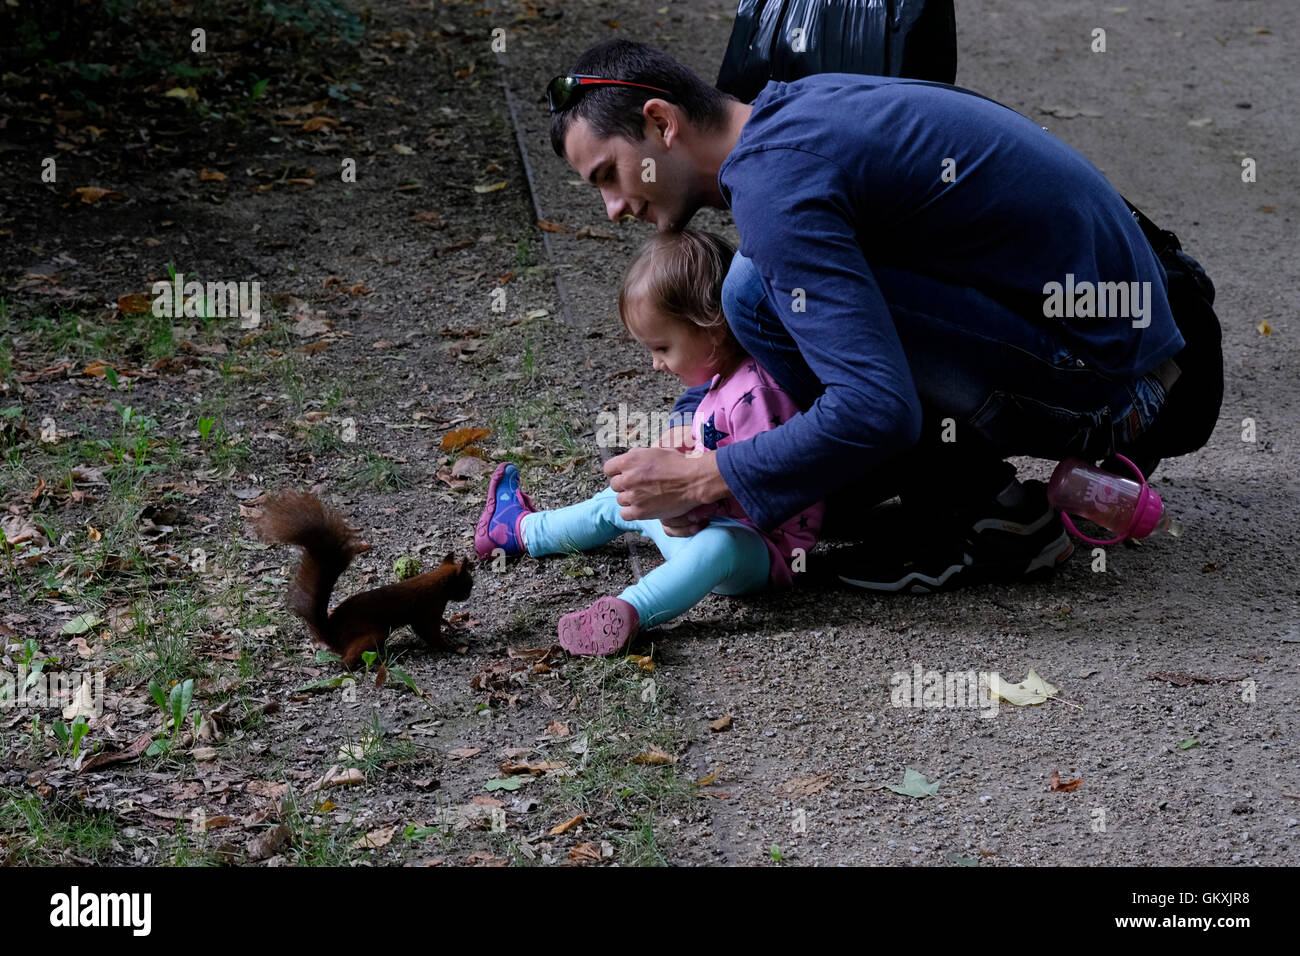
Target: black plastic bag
x=789, y=39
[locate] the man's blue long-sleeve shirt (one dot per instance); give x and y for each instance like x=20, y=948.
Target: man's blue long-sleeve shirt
x=836, y=171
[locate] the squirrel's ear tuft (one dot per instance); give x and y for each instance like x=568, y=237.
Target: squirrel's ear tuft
x=450, y=558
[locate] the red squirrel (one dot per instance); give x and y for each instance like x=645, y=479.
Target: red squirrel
x=364, y=621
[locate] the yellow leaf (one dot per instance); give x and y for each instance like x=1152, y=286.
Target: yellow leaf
x=182, y=93
x=92, y=194
x=1032, y=690
x=494, y=187
x=460, y=437
x=403, y=150
x=655, y=756
x=212, y=176
x=1264, y=328
x=567, y=825
x=318, y=123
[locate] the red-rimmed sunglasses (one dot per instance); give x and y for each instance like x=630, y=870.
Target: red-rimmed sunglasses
x=561, y=91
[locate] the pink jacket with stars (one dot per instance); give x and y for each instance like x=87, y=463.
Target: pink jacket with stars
x=739, y=407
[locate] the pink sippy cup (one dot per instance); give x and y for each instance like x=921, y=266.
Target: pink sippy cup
x=1129, y=509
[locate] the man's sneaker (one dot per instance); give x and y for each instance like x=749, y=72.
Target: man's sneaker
x=498, y=526
x=1017, y=535
x=603, y=628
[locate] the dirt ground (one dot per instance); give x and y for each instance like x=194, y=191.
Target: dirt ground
x=378, y=316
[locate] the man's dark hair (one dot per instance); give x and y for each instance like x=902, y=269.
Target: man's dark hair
x=617, y=109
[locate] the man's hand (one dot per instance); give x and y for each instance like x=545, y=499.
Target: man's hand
x=665, y=484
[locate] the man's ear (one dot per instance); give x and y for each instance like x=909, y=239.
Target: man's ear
x=661, y=117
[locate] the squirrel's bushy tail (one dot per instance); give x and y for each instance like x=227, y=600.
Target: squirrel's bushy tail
x=328, y=547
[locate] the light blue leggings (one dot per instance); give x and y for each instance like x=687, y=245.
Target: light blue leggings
x=726, y=557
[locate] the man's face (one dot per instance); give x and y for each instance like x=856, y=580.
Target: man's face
x=657, y=192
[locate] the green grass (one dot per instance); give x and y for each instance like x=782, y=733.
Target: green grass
x=323, y=438
x=316, y=845
x=610, y=787
x=59, y=832
x=538, y=420
x=371, y=749
x=161, y=642
x=380, y=473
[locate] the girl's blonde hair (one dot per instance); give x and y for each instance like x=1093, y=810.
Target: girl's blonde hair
x=680, y=275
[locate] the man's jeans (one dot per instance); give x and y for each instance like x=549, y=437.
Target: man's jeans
x=1009, y=386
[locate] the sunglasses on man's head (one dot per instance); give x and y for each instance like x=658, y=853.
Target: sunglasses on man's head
x=563, y=90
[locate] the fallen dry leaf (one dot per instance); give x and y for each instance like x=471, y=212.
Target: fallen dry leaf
x=470, y=467
x=1032, y=690
x=537, y=768
x=135, y=304
x=306, y=327
x=807, y=786
x=336, y=776
x=1056, y=784
x=317, y=123
x=266, y=788
x=93, y=194
x=655, y=756
x=722, y=723
x=585, y=853
x=137, y=747
x=375, y=839
x=266, y=845
x=211, y=176
x=84, y=703
x=566, y=826
x=460, y=437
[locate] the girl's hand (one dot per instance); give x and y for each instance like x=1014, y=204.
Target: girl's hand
x=682, y=526
x=680, y=438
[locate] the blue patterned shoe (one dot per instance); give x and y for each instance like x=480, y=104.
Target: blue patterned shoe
x=498, y=527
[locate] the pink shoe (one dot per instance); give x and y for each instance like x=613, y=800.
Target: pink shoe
x=498, y=526
x=603, y=628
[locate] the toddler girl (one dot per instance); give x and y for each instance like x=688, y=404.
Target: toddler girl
x=670, y=301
